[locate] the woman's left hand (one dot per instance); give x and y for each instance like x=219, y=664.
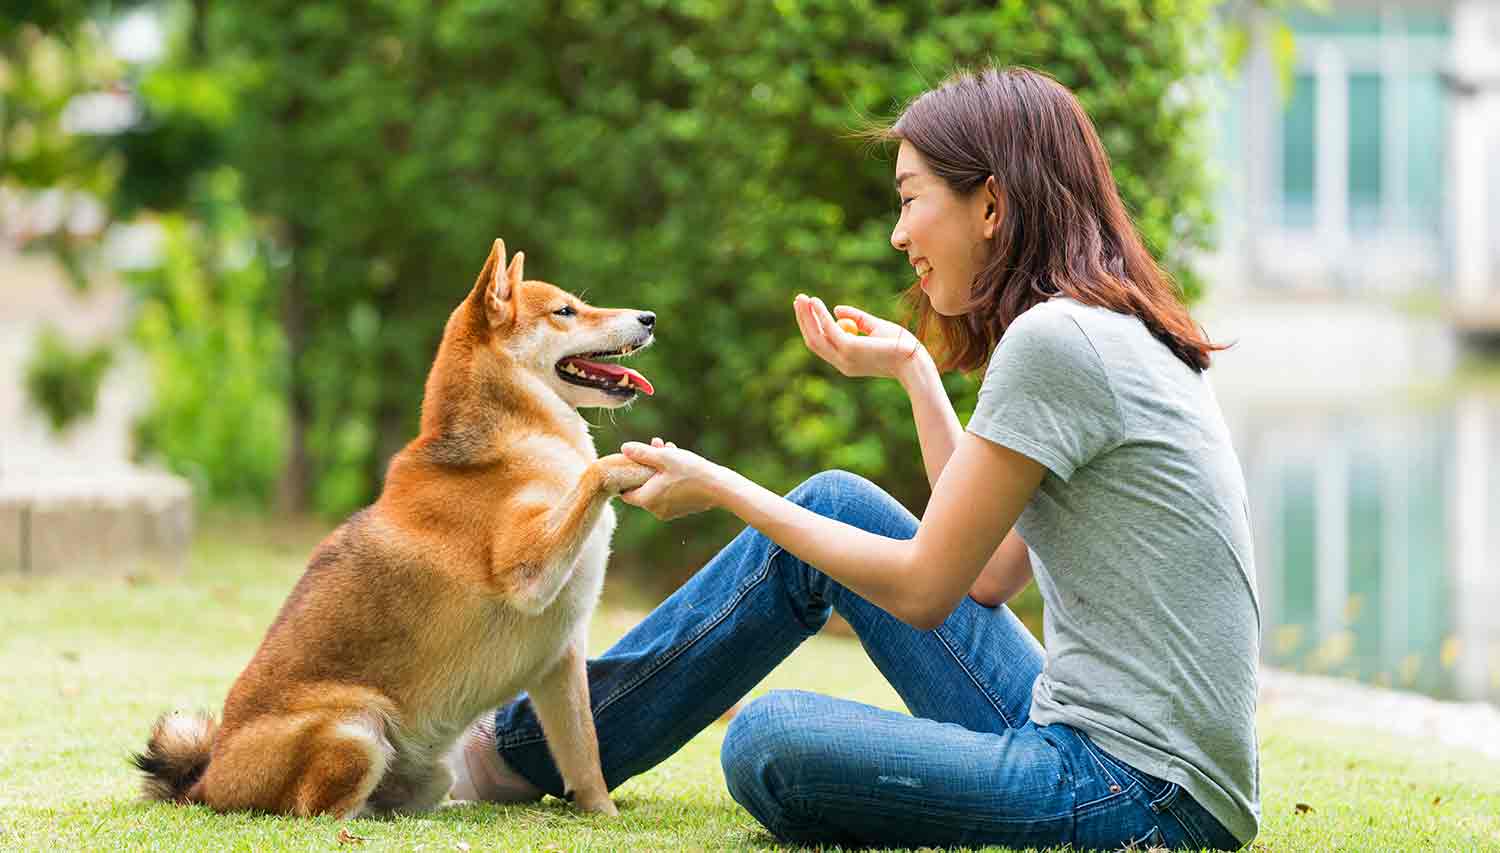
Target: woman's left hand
x=684, y=482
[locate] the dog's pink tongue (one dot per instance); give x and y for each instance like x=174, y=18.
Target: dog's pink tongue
x=614, y=372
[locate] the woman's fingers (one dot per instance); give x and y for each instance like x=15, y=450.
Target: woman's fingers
x=812, y=334
x=799, y=310
x=820, y=313
x=827, y=327
x=644, y=454
x=642, y=496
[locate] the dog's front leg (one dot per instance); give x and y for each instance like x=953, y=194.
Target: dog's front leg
x=561, y=699
x=536, y=548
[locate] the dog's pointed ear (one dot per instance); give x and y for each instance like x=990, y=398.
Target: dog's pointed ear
x=513, y=272
x=496, y=288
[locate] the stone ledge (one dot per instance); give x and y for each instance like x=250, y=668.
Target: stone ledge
x=1472, y=726
x=112, y=523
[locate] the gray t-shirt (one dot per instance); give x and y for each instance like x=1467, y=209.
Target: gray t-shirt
x=1140, y=545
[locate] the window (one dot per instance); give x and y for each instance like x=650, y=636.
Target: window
x=1366, y=145
x=1299, y=158
x=1427, y=125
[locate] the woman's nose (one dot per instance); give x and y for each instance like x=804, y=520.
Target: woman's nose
x=899, y=240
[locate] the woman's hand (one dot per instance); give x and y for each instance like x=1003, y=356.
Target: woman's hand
x=684, y=482
x=884, y=350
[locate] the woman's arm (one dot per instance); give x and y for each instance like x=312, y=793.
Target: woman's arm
x=919, y=581
x=937, y=424
x=891, y=350
x=938, y=431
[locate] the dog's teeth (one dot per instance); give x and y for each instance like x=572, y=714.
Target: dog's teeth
x=624, y=380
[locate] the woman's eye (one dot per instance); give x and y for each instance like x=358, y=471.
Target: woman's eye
x=906, y=201
x=565, y=311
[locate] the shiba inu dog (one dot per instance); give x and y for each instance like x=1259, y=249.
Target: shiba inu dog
x=470, y=579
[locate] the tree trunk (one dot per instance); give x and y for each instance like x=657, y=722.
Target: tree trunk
x=292, y=492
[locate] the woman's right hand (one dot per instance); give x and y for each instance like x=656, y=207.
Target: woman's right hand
x=884, y=349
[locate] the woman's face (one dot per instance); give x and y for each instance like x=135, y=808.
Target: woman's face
x=946, y=236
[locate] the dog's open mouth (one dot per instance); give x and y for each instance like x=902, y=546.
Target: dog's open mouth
x=609, y=377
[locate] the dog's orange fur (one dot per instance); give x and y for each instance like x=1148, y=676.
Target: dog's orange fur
x=470, y=579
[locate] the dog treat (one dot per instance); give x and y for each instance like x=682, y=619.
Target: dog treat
x=849, y=325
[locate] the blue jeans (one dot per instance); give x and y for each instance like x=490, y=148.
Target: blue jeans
x=968, y=767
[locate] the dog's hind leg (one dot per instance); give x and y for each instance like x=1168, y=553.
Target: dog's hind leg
x=561, y=698
x=346, y=760
x=324, y=761
x=411, y=788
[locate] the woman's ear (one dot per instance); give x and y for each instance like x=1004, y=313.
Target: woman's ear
x=994, y=207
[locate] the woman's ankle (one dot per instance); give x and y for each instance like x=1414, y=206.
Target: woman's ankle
x=481, y=775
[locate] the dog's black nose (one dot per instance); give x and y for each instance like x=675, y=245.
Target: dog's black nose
x=647, y=319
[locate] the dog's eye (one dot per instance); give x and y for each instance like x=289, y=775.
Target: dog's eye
x=565, y=311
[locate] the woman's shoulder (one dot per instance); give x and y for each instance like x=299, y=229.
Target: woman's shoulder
x=1057, y=324
x=1049, y=339
x=1065, y=322
x=1065, y=315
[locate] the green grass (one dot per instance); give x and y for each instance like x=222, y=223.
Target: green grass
x=86, y=664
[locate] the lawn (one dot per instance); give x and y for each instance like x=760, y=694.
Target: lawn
x=85, y=665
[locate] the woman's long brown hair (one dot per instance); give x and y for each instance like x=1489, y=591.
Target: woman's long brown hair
x=1064, y=231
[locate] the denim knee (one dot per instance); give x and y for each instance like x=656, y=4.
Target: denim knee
x=826, y=492
x=759, y=749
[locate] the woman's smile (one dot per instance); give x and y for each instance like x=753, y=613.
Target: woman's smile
x=924, y=271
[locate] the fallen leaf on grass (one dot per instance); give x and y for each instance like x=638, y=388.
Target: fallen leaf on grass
x=1436, y=800
x=1304, y=808
x=347, y=837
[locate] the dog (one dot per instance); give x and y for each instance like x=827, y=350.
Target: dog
x=471, y=578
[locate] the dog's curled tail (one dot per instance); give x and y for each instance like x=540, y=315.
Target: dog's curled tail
x=176, y=756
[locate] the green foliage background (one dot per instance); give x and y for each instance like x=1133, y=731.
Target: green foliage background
x=216, y=357
x=64, y=381
x=692, y=157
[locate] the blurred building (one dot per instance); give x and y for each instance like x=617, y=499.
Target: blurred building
x=1366, y=164
x=1358, y=157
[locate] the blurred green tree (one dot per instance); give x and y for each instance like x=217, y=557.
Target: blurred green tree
x=63, y=380
x=206, y=324
x=691, y=158
x=341, y=168
x=55, y=177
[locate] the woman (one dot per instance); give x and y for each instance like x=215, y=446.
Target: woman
x=1097, y=462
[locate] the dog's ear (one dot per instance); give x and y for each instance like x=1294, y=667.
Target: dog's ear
x=496, y=288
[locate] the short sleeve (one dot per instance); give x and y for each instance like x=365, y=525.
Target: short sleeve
x=1046, y=394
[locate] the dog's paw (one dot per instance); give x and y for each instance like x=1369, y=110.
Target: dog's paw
x=622, y=475
x=597, y=805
